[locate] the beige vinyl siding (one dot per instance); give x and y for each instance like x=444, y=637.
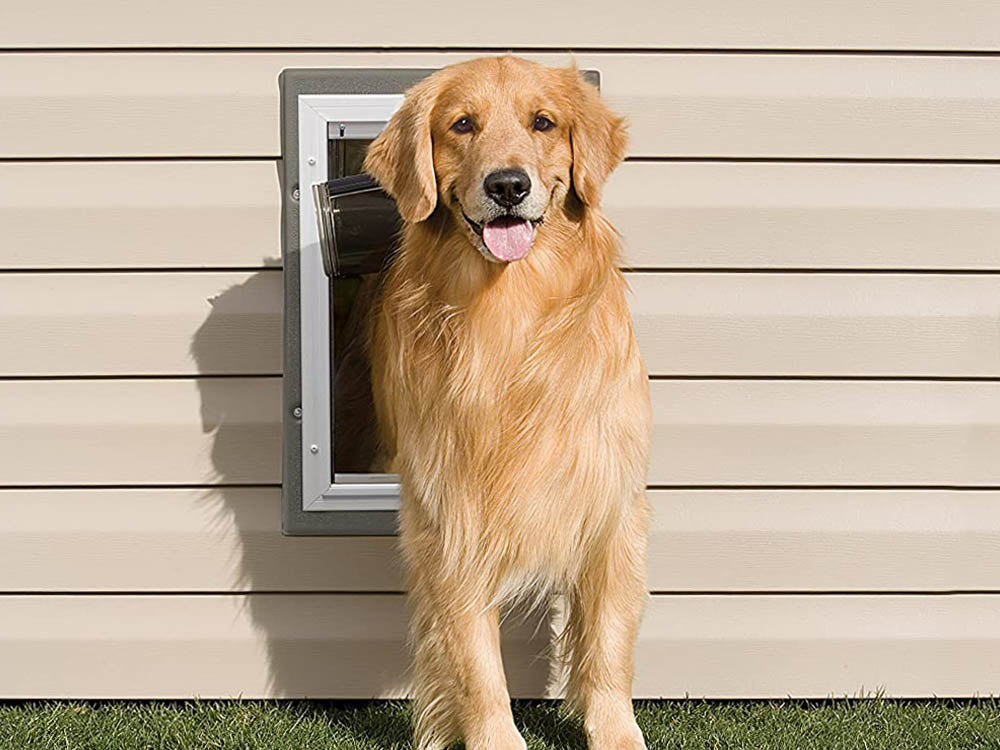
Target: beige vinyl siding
x=810, y=213
x=703, y=214
x=687, y=323
x=352, y=646
x=143, y=323
x=825, y=432
x=794, y=24
x=706, y=432
x=139, y=214
x=140, y=432
x=818, y=324
x=226, y=539
x=690, y=105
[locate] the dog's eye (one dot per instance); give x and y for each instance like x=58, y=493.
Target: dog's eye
x=542, y=123
x=462, y=125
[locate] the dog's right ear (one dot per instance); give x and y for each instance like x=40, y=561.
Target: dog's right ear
x=401, y=159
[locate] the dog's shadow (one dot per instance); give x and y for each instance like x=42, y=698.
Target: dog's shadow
x=263, y=557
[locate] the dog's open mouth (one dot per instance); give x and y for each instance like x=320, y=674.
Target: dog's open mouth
x=507, y=238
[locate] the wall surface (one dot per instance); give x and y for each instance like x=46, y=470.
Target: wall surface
x=811, y=208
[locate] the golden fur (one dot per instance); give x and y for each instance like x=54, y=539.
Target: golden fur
x=511, y=399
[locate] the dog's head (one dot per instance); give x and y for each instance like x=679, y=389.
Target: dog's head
x=502, y=144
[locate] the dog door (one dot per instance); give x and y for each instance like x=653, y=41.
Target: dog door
x=332, y=481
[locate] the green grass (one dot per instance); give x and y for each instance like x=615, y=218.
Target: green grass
x=248, y=725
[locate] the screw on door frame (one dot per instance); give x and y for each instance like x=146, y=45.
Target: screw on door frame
x=314, y=449
x=297, y=412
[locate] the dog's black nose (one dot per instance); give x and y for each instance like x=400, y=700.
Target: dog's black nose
x=508, y=187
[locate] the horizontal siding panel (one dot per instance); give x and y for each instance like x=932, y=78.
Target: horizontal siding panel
x=807, y=215
x=229, y=539
x=788, y=432
x=345, y=646
x=139, y=214
x=855, y=24
x=672, y=214
x=706, y=432
x=141, y=432
x=754, y=105
x=824, y=540
x=687, y=323
x=141, y=323
x=222, y=539
x=818, y=324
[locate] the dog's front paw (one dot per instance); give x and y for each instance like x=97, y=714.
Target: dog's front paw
x=628, y=737
x=501, y=735
x=514, y=742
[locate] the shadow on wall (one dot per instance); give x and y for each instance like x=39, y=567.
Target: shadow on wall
x=336, y=638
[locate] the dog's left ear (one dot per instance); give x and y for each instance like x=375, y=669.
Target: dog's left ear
x=401, y=159
x=599, y=139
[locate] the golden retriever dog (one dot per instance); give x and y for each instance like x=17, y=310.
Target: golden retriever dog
x=510, y=394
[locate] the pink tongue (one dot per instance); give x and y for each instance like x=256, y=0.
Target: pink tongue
x=508, y=238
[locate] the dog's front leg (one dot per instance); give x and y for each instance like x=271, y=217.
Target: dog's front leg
x=460, y=686
x=605, y=609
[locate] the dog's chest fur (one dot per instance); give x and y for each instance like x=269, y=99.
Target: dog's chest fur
x=518, y=411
